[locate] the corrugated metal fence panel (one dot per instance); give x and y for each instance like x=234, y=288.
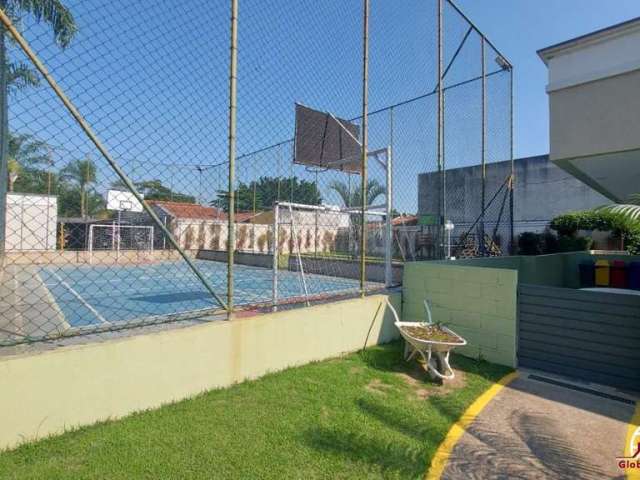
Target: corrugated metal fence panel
x=593, y=336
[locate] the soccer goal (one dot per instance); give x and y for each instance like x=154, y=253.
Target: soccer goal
x=322, y=237
x=116, y=238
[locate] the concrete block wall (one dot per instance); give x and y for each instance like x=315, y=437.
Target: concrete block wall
x=478, y=303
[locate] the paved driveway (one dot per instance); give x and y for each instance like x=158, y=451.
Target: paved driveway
x=536, y=430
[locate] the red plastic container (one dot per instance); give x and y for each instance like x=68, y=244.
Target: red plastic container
x=618, y=274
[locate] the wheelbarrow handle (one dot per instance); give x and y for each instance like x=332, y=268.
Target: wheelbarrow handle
x=427, y=308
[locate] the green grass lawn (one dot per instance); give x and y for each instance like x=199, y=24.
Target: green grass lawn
x=366, y=415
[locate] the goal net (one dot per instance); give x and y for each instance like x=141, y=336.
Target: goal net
x=118, y=239
x=319, y=244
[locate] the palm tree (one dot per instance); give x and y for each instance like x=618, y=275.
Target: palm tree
x=630, y=210
x=353, y=197
x=83, y=174
x=51, y=12
x=28, y=150
x=24, y=152
x=18, y=75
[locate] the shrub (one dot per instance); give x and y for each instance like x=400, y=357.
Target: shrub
x=529, y=244
x=550, y=242
x=620, y=226
x=574, y=244
x=567, y=224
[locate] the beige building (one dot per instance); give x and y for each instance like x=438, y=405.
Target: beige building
x=594, y=106
x=197, y=227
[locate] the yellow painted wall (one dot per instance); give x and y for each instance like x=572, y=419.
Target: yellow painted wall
x=45, y=394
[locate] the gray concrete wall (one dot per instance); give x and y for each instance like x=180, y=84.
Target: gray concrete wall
x=542, y=191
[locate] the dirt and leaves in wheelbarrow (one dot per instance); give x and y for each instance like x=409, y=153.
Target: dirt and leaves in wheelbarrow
x=432, y=341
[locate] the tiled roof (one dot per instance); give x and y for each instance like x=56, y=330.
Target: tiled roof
x=194, y=210
x=189, y=210
x=244, y=216
x=405, y=220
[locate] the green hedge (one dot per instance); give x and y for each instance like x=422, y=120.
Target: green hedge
x=531, y=243
x=619, y=225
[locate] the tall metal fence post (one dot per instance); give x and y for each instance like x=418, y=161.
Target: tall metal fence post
x=233, y=79
x=512, y=181
x=388, y=234
x=390, y=193
x=275, y=240
x=4, y=140
x=440, y=126
x=365, y=139
x=483, y=149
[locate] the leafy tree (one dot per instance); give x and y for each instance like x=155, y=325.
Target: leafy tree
x=268, y=190
x=81, y=173
x=24, y=154
x=28, y=150
x=20, y=75
x=36, y=180
x=70, y=205
x=156, y=190
x=50, y=12
x=353, y=197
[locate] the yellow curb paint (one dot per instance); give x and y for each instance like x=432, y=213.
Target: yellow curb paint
x=443, y=453
x=634, y=424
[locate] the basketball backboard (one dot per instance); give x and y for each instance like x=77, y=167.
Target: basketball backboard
x=122, y=201
x=324, y=141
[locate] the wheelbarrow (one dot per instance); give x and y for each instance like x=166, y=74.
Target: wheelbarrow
x=434, y=352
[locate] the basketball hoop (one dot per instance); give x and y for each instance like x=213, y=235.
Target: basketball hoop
x=123, y=201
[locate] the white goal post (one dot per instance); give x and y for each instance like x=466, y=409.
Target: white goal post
x=116, y=237
x=289, y=209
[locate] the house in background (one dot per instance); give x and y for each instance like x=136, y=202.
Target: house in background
x=196, y=227
x=193, y=225
x=331, y=217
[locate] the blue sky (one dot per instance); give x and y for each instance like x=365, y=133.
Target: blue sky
x=152, y=81
x=521, y=27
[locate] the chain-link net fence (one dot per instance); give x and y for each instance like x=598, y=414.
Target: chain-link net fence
x=83, y=255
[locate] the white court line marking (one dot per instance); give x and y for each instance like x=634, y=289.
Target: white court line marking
x=250, y=294
x=79, y=297
x=190, y=281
